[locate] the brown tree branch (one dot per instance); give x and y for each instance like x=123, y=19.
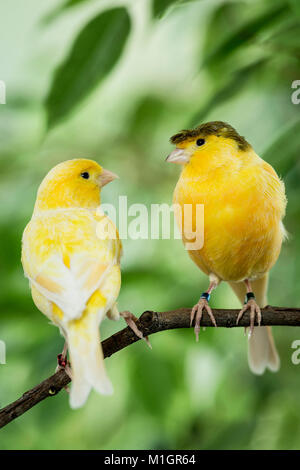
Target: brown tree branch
x=149, y=323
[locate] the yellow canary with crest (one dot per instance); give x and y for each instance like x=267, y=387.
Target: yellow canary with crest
x=71, y=255
x=244, y=204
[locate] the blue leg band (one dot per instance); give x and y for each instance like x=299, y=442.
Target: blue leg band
x=248, y=296
x=206, y=296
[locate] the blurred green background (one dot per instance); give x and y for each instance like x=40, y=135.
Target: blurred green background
x=85, y=81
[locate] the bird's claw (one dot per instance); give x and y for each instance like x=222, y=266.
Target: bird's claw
x=197, y=313
x=131, y=322
x=254, y=312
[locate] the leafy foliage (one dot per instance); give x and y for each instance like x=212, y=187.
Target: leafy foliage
x=161, y=6
x=245, y=33
x=237, y=65
x=94, y=53
x=230, y=87
x=67, y=5
x=284, y=150
x=295, y=6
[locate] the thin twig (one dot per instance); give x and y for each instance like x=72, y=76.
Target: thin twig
x=149, y=323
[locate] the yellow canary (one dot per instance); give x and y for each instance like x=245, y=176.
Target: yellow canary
x=244, y=204
x=71, y=255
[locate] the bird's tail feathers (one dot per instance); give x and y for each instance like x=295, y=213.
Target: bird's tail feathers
x=262, y=351
x=87, y=362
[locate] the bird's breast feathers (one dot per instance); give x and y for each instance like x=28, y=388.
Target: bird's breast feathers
x=243, y=208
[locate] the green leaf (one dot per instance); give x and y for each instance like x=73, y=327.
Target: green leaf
x=237, y=81
x=217, y=29
x=94, y=53
x=244, y=34
x=283, y=153
x=295, y=5
x=53, y=14
x=72, y=3
x=286, y=39
x=161, y=6
x=188, y=1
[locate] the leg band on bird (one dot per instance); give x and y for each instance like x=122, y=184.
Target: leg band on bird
x=205, y=295
x=248, y=296
x=62, y=360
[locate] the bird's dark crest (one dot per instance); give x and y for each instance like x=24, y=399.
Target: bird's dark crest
x=218, y=128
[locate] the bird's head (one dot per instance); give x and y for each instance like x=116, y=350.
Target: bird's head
x=207, y=142
x=73, y=183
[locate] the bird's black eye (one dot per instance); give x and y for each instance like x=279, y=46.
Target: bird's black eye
x=200, y=142
x=85, y=175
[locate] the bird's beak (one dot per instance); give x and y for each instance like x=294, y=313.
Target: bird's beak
x=106, y=177
x=179, y=156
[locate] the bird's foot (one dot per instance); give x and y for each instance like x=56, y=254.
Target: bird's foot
x=64, y=364
x=197, y=313
x=131, y=322
x=255, y=311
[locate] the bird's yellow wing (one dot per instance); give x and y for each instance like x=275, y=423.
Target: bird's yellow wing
x=66, y=259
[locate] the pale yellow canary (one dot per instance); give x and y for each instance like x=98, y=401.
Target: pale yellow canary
x=244, y=204
x=71, y=255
